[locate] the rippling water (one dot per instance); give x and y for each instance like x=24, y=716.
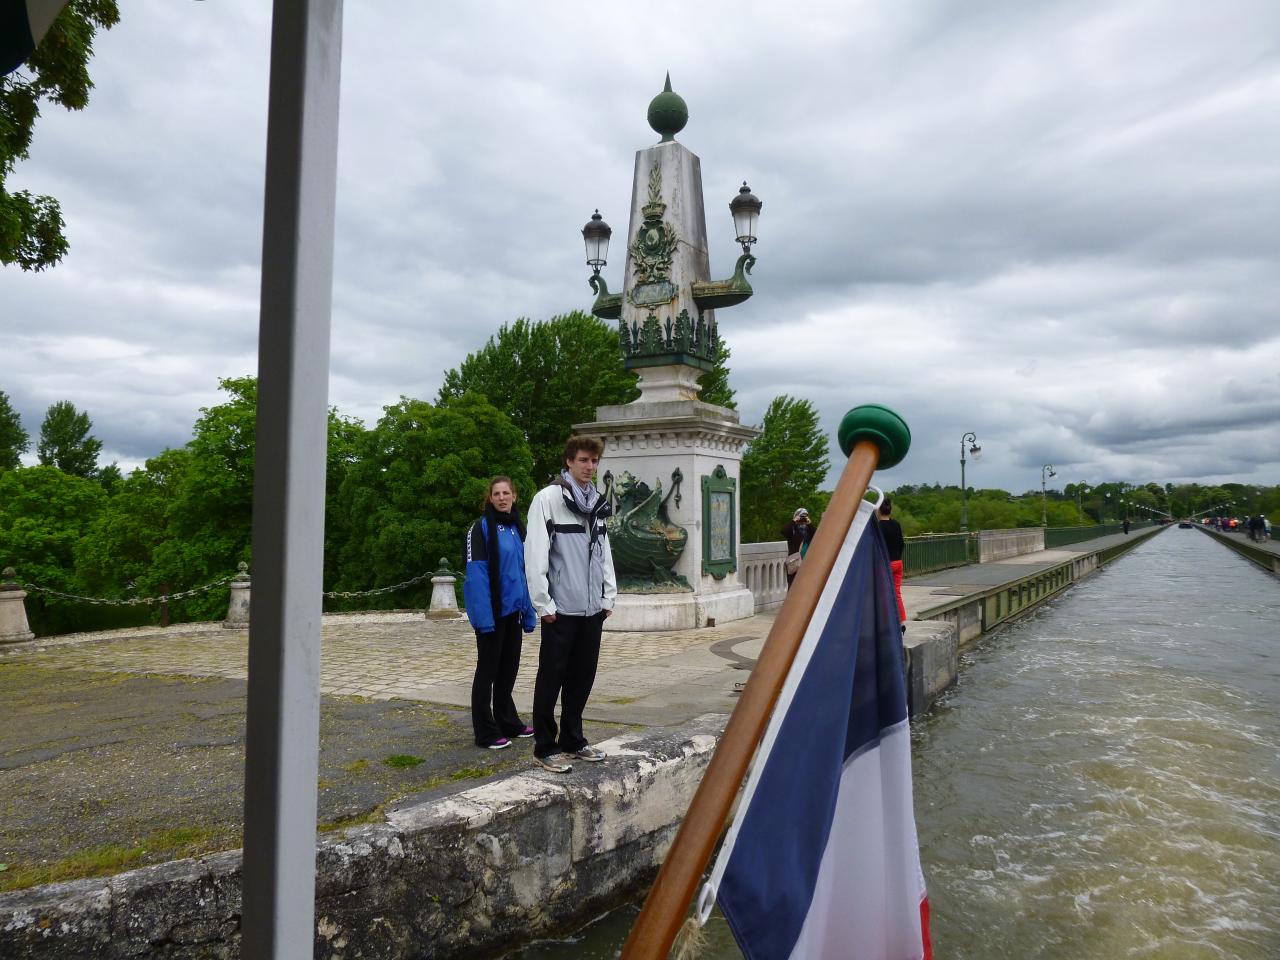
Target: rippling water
x=1103, y=781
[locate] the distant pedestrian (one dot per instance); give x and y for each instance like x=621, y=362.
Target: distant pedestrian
x=1125, y=526
x=798, y=534
x=498, y=606
x=896, y=544
x=572, y=583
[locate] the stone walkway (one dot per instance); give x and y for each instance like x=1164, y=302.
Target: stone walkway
x=648, y=678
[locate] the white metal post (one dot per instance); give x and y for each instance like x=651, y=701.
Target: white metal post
x=283, y=722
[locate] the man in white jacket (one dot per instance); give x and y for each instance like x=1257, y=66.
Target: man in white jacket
x=570, y=571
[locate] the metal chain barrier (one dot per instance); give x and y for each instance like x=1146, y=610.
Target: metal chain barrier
x=135, y=601
x=349, y=594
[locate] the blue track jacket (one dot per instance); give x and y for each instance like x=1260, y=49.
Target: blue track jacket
x=515, y=589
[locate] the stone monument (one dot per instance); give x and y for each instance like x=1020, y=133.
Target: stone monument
x=674, y=460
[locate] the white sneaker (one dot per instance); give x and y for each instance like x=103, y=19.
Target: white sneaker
x=589, y=754
x=553, y=763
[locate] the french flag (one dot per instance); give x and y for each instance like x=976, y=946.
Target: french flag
x=822, y=858
x=23, y=24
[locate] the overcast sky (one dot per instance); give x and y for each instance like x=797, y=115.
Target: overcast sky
x=1054, y=224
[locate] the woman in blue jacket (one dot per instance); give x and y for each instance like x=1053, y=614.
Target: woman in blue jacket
x=498, y=606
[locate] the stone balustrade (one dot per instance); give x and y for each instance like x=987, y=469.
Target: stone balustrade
x=760, y=568
x=1000, y=544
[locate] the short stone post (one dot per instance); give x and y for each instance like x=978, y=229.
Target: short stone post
x=444, y=602
x=13, y=613
x=238, y=608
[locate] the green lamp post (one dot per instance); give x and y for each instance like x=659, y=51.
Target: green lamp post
x=971, y=439
x=1045, y=471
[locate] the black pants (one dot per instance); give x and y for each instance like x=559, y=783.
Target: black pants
x=493, y=711
x=567, y=662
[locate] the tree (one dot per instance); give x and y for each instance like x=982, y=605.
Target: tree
x=546, y=376
x=715, y=382
x=783, y=468
x=14, y=441
x=31, y=226
x=44, y=513
x=116, y=554
x=419, y=483
x=65, y=442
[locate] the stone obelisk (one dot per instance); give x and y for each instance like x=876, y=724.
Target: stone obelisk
x=675, y=460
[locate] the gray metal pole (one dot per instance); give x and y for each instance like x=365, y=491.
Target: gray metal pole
x=283, y=723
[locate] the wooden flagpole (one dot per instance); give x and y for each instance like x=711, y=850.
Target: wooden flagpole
x=871, y=436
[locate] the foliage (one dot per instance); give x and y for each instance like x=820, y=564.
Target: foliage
x=65, y=442
x=714, y=384
x=782, y=469
x=44, y=513
x=14, y=441
x=31, y=226
x=116, y=554
x=546, y=376
x=420, y=481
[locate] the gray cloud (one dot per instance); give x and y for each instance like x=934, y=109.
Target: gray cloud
x=1051, y=223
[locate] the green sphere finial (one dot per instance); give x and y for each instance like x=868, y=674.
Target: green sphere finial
x=668, y=113
x=881, y=426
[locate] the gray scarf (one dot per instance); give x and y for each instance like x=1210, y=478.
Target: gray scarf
x=585, y=496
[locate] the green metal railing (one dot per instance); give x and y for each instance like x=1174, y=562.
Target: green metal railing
x=937, y=552
x=1061, y=536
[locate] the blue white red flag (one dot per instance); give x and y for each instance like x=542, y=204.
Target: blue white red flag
x=822, y=858
x=23, y=24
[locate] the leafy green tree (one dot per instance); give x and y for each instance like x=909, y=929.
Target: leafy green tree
x=714, y=383
x=546, y=376
x=116, y=554
x=44, y=513
x=419, y=483
x=783, y=468
x=31, y=226
x=14, y=441
x=65, y=442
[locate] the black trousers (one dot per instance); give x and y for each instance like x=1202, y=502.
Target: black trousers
x=567, y=662
x=493, y=711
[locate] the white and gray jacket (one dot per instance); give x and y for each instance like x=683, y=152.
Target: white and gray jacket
x=567, y=559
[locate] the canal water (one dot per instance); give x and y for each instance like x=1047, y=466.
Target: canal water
x=1103, y=781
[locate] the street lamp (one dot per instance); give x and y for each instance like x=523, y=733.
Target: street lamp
x=1046, y=470
x=976, y=451
x=1080, y=487
x=596, y=235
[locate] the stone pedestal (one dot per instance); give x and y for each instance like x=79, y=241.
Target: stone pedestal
x=238, y=607
x=651, y=440
x=444, y=599
x=13, y=612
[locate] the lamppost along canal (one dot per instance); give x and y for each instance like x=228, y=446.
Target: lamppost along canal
x=976, y=451
x=1046, y=470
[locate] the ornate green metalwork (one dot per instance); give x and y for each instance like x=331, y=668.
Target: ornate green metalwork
x=719, y=530
x=655, y=343
x=608, y=306
x=645, y=541
x=655, y=241
x=713, y=294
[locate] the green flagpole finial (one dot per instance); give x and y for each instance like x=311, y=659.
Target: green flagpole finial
x=882, y=426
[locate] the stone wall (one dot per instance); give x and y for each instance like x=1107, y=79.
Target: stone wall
x=470, y=873
x=1000, y=544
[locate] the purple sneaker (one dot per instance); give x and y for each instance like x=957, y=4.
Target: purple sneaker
x=525, y=733
x=500, y=744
